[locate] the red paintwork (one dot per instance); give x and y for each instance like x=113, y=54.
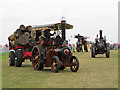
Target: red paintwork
x=118, y=45
x=53, y=52
x=26, y=55
x=17, y=47
x=65, y=45
x=97, y=35
x=11, y=48
x=53, y=43
x=66, y=51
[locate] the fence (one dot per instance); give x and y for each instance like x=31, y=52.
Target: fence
x=3, y=50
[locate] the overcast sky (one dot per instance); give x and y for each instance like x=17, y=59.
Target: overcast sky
x=87, y=16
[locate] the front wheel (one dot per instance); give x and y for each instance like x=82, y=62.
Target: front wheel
x=93, y=52
x=11, y=58
x=55, y=64
x=19, y=57
x=107, y=52
x=74, y=64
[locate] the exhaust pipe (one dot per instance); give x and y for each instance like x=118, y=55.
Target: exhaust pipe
x=100, y=34
x=63, y=26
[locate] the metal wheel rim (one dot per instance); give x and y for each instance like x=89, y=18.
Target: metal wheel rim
x=36, y=58
x=74, y=63
x=88, y=46
x=83, y=48
x=54, y=65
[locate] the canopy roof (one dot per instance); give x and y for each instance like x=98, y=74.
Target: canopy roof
x=55, y=26
x=85, y=37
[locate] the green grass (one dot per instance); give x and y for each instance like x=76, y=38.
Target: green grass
x=99, y=72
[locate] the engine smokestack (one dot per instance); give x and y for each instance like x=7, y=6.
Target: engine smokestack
x=100, y=34
x=63, y=26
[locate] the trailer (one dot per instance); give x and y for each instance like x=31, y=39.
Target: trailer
x=19, y=54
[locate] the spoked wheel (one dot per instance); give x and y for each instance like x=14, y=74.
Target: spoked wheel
x=74, y=48
x=87, y=46
x=55, y=64
x=82, y=48
x=36, y=58
x=78, y=49
x=74, y=64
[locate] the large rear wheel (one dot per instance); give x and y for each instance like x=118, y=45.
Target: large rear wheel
x=37, y=57
x=74, y=64
x=78, y=49
x=11, y=58
x=107, y=51
x=83, y=49
x=55, y=64
x=87, y=46
x=74, y=48
x=93, y=52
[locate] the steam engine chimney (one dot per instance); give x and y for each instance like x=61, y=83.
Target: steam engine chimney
x=63, y=26
x=100, y=34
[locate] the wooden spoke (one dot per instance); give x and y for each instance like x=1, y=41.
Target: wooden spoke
x=54, y=64
x=35, y=52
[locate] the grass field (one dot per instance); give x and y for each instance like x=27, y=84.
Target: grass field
x=99, y=72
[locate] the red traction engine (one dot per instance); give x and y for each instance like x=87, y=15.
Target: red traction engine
x=54, y=51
